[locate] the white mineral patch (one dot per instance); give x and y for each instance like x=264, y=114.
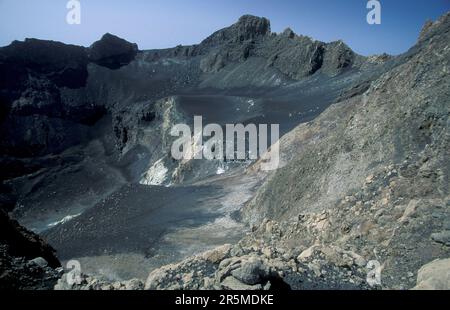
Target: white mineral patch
x=220, y=170
x=156, y=175
x=64, y=220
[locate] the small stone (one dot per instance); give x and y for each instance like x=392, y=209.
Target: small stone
x=208, y=282
x=316, y=269
x=267, y=252
x=358, y=259
x=217, y=255
x=442, y=237
x=434, y=276
x=231, y=283
x=39, y=261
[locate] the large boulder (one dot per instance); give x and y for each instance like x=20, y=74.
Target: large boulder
x=294, y=55
x=434, y=276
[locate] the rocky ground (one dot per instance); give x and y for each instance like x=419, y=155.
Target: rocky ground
x=26, y=260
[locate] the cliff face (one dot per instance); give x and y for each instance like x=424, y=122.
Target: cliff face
x=38, y=117
x=112, y=52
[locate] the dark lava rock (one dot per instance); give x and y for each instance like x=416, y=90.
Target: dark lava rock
x=43, y=107
x=26, y=260
x=112, y=52
x=251, y=273
x=24, y=243
x=7, y=198
x=442, y=237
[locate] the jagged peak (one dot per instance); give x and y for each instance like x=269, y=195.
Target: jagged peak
x=248, y=27
x=254, y=25
x=112, y=52
x=431, y=28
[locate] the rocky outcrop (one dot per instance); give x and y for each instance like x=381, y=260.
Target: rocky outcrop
x=23, y=243
x=112, y=52
x=26, y=261
x=45, y=104
x=63, y=65
x=254, y=265
x=87, y=283
x=365, y=181
x=37, y=119
x=434, y=276
x=364, y=185
x=19, y=273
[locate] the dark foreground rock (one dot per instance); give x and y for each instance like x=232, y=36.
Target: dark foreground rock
x=26, y=261
x=364, y=176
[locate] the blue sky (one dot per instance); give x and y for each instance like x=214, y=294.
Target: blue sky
x=167, y=23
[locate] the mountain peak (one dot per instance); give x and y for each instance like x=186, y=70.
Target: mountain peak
x=249, y=26
x=112, y=52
